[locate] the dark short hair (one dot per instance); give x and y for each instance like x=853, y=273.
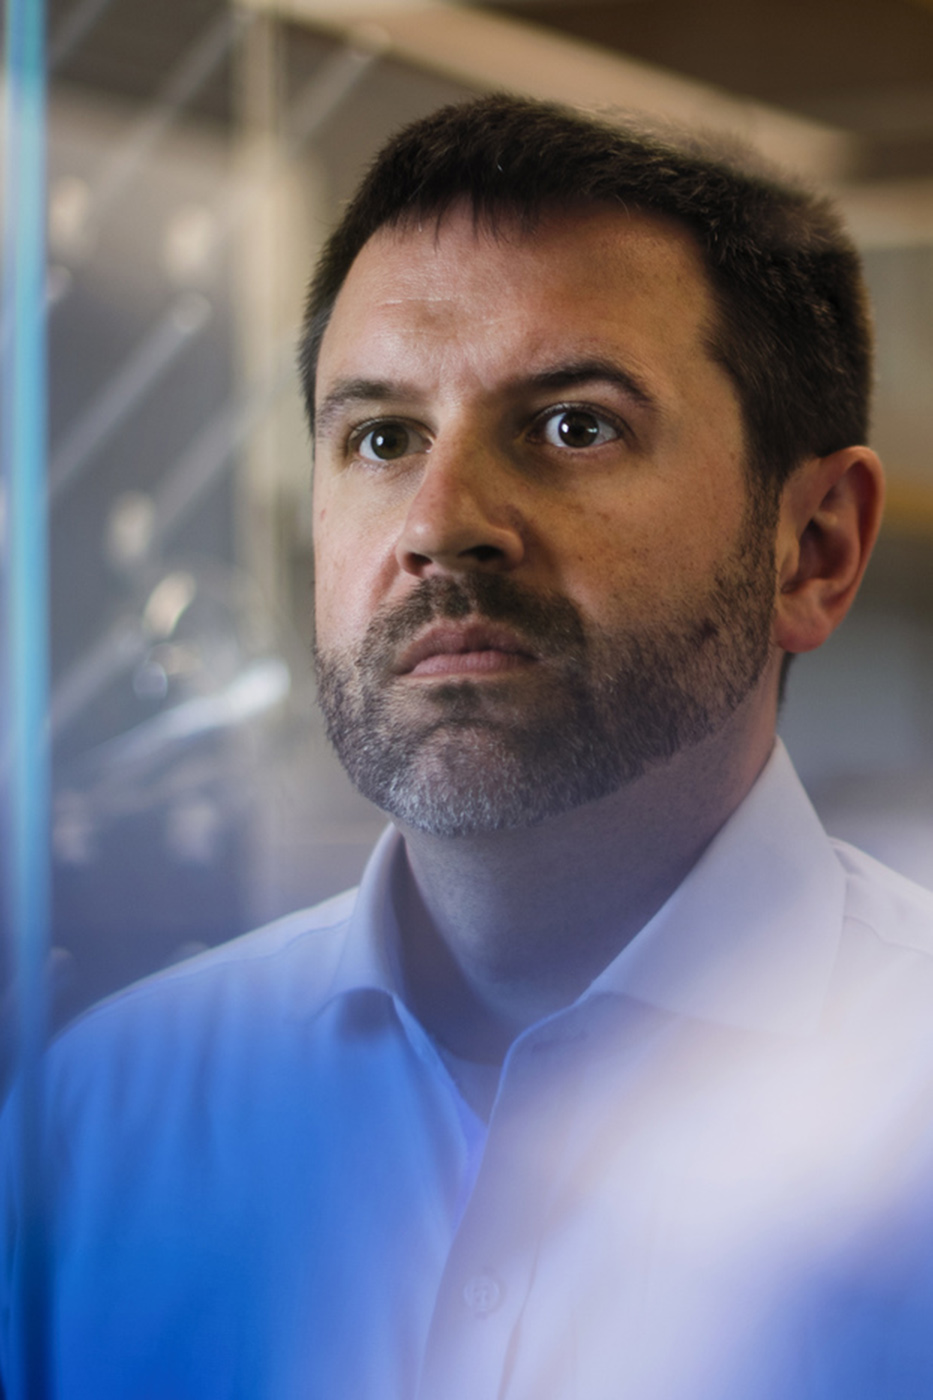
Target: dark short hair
x=793, y=331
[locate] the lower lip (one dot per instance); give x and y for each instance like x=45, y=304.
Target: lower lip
x=470, y=663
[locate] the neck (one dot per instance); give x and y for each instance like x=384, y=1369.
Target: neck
x=504, y=928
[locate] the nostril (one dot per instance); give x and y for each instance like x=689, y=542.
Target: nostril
x=484, y=553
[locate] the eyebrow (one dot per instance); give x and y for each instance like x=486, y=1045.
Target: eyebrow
x=557, y=377
x=585, y=371
x=349, y=391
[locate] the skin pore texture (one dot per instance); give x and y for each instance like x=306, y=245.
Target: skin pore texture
x=550, y=610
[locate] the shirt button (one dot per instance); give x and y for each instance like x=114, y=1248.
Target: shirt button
x=483, y=1294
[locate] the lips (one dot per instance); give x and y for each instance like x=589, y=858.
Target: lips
x=472, y=648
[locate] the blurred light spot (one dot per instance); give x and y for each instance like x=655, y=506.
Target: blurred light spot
x=150, y=681
x=177, y=660
x=190, y=312
x=189, y=244
x=69, y=207
x=129, y=528
x=167, y=601
x=193, y=831
x=166, y=662
x=58, y=282
x=73, y=830
x=259, y=688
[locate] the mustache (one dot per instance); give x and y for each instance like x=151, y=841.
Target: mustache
x=551, y=624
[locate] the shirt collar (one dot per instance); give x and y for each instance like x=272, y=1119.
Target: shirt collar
x=748, y=939
x=370, y=956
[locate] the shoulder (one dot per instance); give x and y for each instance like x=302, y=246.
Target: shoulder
x=273, y=976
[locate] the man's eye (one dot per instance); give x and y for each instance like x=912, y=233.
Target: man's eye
x=577, y=427
x=388, y=441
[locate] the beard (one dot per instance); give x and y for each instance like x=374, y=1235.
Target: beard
x=597, y=710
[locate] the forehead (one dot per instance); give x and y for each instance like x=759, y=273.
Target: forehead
x=582, y=276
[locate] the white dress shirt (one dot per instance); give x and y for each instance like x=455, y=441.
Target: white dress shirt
x=710, y=1178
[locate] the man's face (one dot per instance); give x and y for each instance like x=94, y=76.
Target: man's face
x=539, y=572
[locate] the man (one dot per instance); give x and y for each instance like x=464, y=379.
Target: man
x=615, y=1077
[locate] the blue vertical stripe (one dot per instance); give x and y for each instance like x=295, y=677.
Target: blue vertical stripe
x=23, y=441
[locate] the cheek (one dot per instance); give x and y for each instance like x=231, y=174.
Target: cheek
x=616, y=558
x=643, y=565
x=353, y=568
x=326, y=608
x=334, y=578
x=339, y=587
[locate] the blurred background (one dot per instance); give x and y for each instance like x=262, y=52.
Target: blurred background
x=199, y=153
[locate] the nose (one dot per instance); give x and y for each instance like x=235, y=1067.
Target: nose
x=462, y=517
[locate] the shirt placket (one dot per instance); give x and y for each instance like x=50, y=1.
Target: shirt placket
x=475, y=1329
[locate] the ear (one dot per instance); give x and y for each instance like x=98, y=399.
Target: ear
x=828, y=522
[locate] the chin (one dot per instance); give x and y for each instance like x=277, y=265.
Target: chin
x=478, y=785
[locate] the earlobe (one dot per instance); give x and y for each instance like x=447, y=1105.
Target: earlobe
x=829, y=518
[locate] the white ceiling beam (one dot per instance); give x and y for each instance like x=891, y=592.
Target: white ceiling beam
x=488, y=52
